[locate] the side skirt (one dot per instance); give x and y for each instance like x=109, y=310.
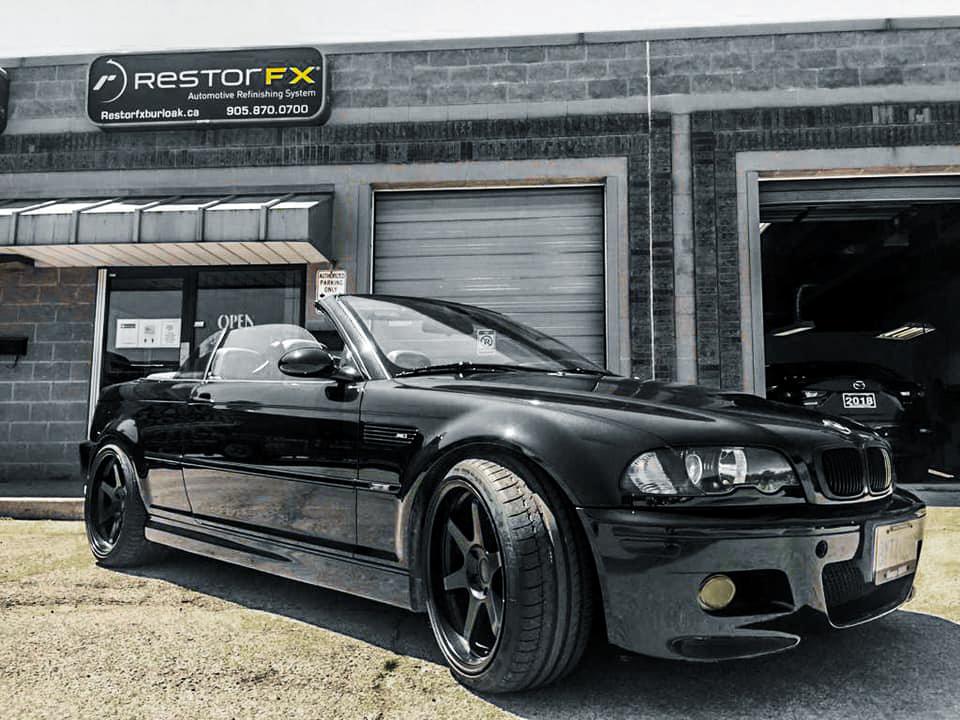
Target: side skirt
x=315, y=566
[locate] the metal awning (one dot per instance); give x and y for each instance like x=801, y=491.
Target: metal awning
x=178, y=230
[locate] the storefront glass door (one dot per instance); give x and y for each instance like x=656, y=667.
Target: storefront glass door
x=155, y=317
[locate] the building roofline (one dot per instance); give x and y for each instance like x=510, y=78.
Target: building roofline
x=590, y=38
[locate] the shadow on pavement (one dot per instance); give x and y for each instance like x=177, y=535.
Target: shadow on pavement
x=937, y=494
x=905, y=665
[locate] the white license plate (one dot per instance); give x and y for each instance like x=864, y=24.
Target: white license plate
x=859, y=401
x=895, y=550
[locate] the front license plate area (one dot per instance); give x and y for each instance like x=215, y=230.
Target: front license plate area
x=895, y=550
x=859, y=401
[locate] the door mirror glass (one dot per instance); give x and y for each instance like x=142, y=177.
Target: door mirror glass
x=308, y=362
x=347, y=374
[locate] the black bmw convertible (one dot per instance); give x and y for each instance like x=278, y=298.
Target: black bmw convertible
x=446, y=459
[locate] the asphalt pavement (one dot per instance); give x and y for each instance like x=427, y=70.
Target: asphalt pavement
x=194, y=638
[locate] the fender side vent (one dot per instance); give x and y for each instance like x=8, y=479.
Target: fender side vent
x=393, y=435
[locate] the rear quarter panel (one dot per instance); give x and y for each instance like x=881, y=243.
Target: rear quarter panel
x=146, y=418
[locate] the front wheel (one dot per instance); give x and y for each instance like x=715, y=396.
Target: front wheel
x=508, y=581
x=113, y=511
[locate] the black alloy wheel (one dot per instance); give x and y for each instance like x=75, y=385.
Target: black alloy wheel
x=467, y=577
x=508, y=580
x=109, y=496
x=114, y=512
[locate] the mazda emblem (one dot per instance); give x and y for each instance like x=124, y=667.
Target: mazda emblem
x=859, y=385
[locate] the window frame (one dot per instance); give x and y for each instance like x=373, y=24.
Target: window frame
x=348, y=344
x=190, y=274
x=224, y=334
x=390, y=369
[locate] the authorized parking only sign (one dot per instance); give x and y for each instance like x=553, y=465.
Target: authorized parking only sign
x=264, y=86
x=331, y=282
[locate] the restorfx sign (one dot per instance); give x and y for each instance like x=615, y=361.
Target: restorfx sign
x=232, y=87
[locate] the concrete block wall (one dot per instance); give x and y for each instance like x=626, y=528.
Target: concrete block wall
x=47, y=91
x=574, y=77
x=828, y=60
x=825, y=60
x=43, y=399
x=490, y=75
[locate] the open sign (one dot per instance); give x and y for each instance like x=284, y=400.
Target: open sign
x=231, y=321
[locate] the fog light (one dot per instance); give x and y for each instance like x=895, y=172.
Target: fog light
x=716, y=592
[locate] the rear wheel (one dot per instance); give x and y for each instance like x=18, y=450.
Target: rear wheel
x=508, y=584
x=114, y=513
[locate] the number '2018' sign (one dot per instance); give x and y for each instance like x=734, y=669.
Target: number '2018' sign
x=231, y=87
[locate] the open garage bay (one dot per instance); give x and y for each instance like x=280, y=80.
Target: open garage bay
x=861, y=285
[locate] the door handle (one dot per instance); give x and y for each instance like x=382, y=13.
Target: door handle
x=203, y=397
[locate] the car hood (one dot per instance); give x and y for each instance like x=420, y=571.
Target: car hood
x=678, y=414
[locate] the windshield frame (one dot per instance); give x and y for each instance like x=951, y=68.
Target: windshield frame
x=392, y=370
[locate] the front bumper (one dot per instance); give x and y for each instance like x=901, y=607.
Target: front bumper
x=801, y=572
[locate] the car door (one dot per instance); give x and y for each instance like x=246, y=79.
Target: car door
x=271, y=453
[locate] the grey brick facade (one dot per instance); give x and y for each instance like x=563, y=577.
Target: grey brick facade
x=556, y=100
x=43, y=399
x=463, y=141
x=583, y=72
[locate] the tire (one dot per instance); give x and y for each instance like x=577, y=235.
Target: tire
x=495, y=532
x=114, y=514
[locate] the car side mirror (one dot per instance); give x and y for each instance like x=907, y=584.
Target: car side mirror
x=308, y=362
x=347, y=374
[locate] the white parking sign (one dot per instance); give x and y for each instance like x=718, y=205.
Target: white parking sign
x=331, y=282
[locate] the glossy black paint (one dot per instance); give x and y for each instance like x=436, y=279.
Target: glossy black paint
x=652, y=564
x=326, y=480
x=282, y=457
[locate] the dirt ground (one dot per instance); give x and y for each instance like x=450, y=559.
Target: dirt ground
x=193, y=638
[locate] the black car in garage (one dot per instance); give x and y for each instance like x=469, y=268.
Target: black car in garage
x=446, y=459
x=890, y=404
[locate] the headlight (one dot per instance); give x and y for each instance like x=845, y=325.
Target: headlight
x=699, y=471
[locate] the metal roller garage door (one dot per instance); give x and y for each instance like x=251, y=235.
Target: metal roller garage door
x=533, y=254
x=851, y=199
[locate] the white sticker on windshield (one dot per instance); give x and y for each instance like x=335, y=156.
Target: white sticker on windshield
x=486, y=342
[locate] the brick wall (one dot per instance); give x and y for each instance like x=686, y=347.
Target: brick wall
x=716, y=138
x=43, y=400
x=826, y=60
x=489, y=75
x=579, y=136
x=582, y=72
x=47, y=91
x=709, y=65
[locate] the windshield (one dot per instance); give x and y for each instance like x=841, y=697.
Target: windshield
x=415, y=335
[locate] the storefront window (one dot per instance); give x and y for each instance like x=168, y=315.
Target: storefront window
x=158, y=320
x=144, y=324
x=231, y=299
